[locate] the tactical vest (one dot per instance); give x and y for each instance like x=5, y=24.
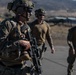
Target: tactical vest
x=10, y=51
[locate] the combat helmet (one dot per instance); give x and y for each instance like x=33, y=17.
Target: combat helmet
x=19, y=6
x=39, y=12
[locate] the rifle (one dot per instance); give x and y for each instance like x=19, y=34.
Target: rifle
x=35, y=54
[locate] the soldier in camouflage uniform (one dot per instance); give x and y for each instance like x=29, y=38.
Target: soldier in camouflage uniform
x=41, y=30
x=13, y=42
x=71, y=40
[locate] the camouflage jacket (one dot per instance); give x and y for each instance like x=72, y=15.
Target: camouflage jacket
x=12, y=30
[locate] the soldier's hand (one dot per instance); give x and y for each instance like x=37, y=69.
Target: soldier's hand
x=53, y=50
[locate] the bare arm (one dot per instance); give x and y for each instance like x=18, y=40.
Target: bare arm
x=69, y=41
x=50, y=41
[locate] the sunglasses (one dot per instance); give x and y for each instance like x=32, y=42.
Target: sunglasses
x=28, y=9
x=41, y=14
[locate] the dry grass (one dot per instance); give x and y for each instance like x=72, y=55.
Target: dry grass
x=60, y=13
x=59, y=34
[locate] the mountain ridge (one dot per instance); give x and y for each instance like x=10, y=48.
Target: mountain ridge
x=49, y=4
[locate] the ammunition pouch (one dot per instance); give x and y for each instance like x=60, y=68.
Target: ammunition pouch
x=9, y=52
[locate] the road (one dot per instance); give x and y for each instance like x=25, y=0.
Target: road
x=56, y=64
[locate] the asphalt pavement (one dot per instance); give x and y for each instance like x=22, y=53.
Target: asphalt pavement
x=56, y=64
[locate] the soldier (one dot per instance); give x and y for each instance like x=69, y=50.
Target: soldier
x=41, y=30
x=14, y=43
x=71, y=40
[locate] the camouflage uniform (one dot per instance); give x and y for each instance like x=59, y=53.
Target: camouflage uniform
x=13, y=54
x=71, y=40
x=9, y=54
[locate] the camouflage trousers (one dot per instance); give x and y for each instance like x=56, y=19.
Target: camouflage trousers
x=71, y=59
x=14, y=71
